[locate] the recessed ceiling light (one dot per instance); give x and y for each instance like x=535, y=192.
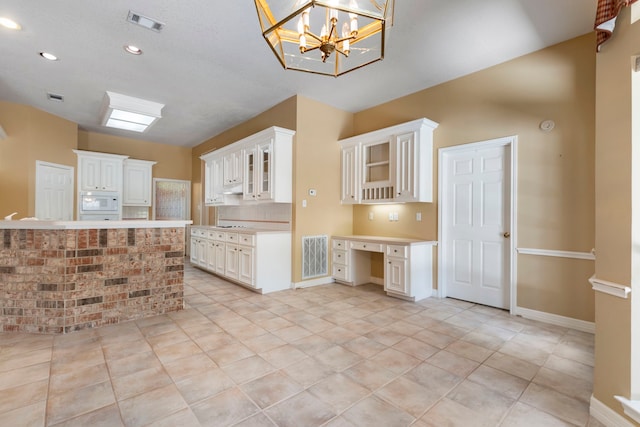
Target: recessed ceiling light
x=134, y=50
x=49, y=56
x=9, y=23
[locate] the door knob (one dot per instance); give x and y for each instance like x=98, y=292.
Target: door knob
x=507, y=234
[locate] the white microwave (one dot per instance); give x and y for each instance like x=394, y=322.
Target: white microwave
x=99, y=202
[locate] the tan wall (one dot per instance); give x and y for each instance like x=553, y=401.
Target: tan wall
x=173, y=162
x=555, y=169
x=616, y=251
x=32, y=135
x=282, y=115
x=317, y=166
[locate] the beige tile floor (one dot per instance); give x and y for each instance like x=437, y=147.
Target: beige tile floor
x=324, y=356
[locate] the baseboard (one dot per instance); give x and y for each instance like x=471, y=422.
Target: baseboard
x=313, y=282
x=606, y=415
x=554, y=319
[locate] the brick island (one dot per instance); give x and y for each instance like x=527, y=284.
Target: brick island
x=62, y=276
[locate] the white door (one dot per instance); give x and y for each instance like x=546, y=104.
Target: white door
x=54, y=192
x=475, y=219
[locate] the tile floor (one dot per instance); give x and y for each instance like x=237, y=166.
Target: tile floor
x=324, y=356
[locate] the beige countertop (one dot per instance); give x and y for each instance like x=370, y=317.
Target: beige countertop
x=387, y=240
x=75, y=225
x=246, y=230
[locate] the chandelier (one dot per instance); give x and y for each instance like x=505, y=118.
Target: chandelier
x=330, y=37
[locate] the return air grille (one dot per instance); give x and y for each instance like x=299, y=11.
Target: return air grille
x=314, y=256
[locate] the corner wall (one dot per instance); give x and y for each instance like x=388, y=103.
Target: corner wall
x=555, y=169
x=32, y=135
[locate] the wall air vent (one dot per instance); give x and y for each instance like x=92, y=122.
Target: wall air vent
x=144, y=21
x=55, y=97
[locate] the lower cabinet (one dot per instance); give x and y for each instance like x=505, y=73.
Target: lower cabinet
x=259, y=260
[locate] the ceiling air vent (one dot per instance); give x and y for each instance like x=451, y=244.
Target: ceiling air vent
x=144, y=21
x=55, y=97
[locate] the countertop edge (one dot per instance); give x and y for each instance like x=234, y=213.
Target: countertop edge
x=386, y=240
x=77, y=225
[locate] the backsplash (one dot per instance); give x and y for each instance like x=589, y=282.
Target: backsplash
x=270, y=216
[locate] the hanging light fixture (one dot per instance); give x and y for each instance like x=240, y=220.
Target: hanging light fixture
x=330, y=37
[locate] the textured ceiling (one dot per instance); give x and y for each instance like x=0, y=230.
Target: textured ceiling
x=213, y=70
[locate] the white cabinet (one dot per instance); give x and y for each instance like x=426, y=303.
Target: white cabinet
x=137, y=182
x=257, y=168
x=233, y=168
x=99, y=171
x=258, y=260
x=407, y=264
x=214, y=181
x=350, y=163
x=390, y=165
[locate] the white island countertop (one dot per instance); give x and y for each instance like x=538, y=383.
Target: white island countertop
x=76, y=225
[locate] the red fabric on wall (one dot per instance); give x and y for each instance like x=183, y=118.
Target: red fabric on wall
x=606, y=15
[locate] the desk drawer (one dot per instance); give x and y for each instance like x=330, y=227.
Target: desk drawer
x=339, y=257
x=339, y=244
x=340, y=272
x=400, y=251
x=247, y=239
x=367, y=246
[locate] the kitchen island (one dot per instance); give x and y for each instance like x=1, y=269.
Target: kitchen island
x=63, y=276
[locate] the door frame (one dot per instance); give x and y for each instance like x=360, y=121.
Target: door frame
x=70, y=186
x=507, y=141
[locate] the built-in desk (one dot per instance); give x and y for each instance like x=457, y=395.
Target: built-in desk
x=407, y=263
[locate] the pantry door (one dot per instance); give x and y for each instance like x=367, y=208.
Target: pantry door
x=54, y=192
x=475, y=210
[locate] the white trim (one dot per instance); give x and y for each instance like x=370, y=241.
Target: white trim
x=606, y=415
x=555, y=319
x=631, y=407
x=512, y=143
x=615, y=289
x=313, y=282
x=559, y=254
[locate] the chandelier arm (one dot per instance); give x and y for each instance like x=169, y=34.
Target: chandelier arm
x=311, y=48
x=309, y=33
x=340, y=51
x=345, y=38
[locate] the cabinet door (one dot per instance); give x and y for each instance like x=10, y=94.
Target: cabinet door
x=264, y=181
x=406, y=177
x=231, y=261
x=249, y=184
x=214, y=181
x=233, y=169
x=137, y=185
x=396, y=276
x=377, y=177
x=193, y=253
x=220, y=258
x=90, y=178
x=110, y=174
x=245, y=265
x=350, y=178
x=211, y=256
x=202, y=253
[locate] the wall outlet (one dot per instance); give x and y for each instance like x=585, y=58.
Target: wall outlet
x=390, y=216
x=370, y=216
x=418, y=216
x=395, y=216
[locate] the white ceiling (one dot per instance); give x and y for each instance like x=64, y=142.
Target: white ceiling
x=213, y=70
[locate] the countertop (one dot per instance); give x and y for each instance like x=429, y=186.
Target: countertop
x=246, y=230
x=75, y=225
x=387, y=240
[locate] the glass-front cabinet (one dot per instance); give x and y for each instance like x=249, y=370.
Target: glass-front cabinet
x=377, y=176
x=258, y=167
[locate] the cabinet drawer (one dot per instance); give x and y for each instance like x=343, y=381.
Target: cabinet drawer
x=198, y=232
x=211, y=234
x=339, y=244
x=219, y=235
x=340, y=272
x=231, y=237
x=247, y=239
x=400, y=251
x=367, y=246
x=339, y=257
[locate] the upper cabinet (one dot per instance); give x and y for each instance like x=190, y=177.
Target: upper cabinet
x=137, y=182
x=256, y=168
x=390, y=165
x=99, y=171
